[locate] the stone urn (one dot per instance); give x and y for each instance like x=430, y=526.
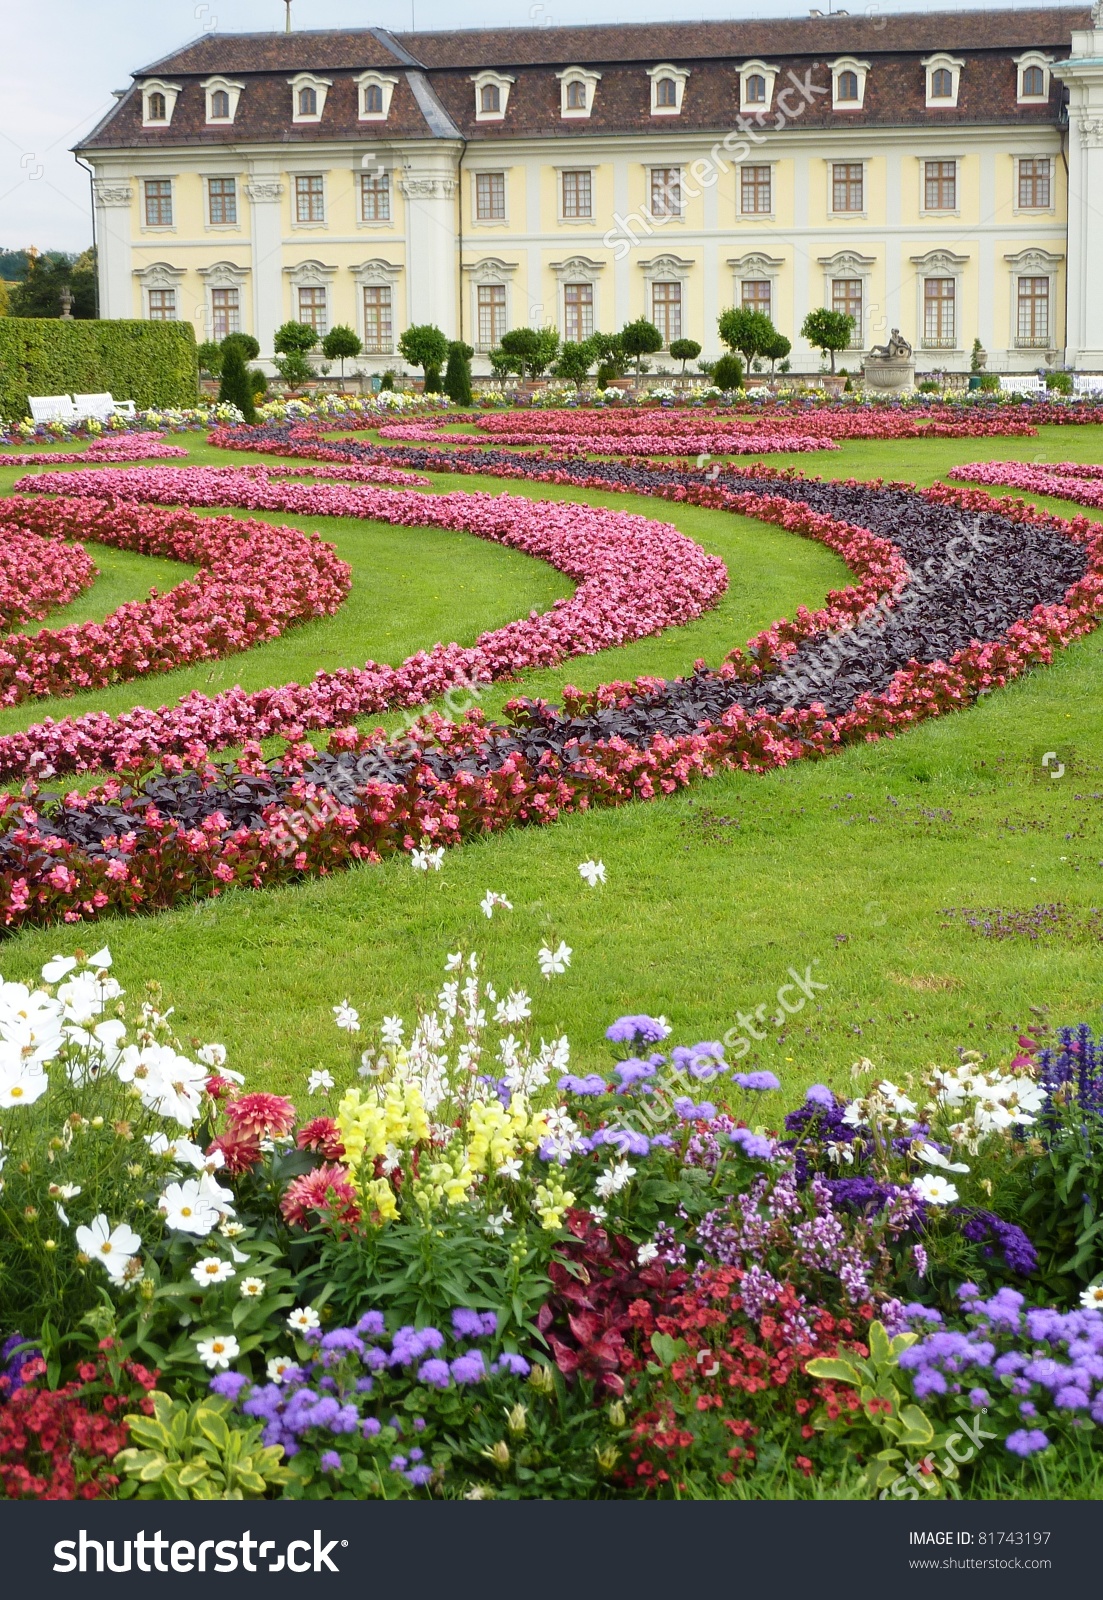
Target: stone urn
x=889, y=369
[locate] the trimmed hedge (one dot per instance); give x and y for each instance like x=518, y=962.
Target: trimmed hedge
x=152, y=363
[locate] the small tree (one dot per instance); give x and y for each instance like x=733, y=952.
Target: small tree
x=523, y=347
x=638, y=339
x=727, y=374
x=250, y=349
x=236, y=388
x=778, y=348
x=501, y=364
x=575, y=360
x=613, y=362
x=293, y=338
x=828, y=331
x=341, y=344
x=746, y=331
x=210, y=357
x=423, y=345
x=457, y=374
x=684, y=350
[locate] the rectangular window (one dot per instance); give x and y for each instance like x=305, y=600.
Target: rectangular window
x=375, y=197
x=492, y=314
x=847, y=186
x=378, y=326
x=757, y=295
x=756, y=190
x=225, y=313
x=312, y=310
x=222, y=201
x=578, y=195
x=490, y=196
x=310, y=199
x=1033, y=312
x=1034, y=184
x=666, y=191
x=846, y=296
x=162, y=305
x=940, y=186
x=666, y=310
x=938, y=313
x=158, y=203
x=578, y=311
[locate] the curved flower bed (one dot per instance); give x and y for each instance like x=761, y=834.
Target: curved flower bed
x=635, y=576
x=131, y=447
x=255, y=582
x=1066, y=480
x=37, y=574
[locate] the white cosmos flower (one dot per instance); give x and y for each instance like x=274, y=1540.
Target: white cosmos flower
x=1091, y=1298
x=101, y=960
x=320, y=1080
x=212, y=1055
x=593, y=872
x=85, y=997
x=21, y=1086
x=212, y=1269
x=218, y=1352
x=492, y=899
x=31, y=1023
x=114, y=1247
x=303, y=1319
x=188, y=1210
x=347, y=1017
x=56, y=968
x=64, y=1191
x=168, y=1083
x=554, y=962
x=186, y=1152
x=936, y=1191
x=252, y=1288
x=934, y=1158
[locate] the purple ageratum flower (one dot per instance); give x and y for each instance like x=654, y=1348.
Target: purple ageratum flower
x=417, y=1455
x=688, y=1112
x=753, y=1145
x=469, y=1368
x=626, y=1030
x=820, y=1095
x=329, y=1461
x=365, y=1385
x=1027, y=1409
x=343, y=1339
x=398, y=1463
x=370, y=1427
x=372, y=1325
x=490, y=1324
x=701, y=1061
x=374, y=1358
x=436, y=1373
x=466, y=1324
x=229, y=1385
x=419, y=1424
x=759, y=1082
x=510, y=1361
x=978, y=1398
x=593, y=1083
x=419, y=1476
x=927, y=1381
x=632, y=1071
x=1026, y=1442
x=1072, y=1398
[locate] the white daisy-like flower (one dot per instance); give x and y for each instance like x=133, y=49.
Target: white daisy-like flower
x=320, y=1081
x=187, y=1209
x=646, y=1252
x=252, y=1288
x=934, y=1158
x=278, y=1368
x=592, y=872
x=212, y=1269
x=491, y=901
x=1091, y=1298
x=347, y=1017
x=303, y=1319
x=936, y=1191
x=217, y=1353
x=115, y=1248
x=212, y=1055
x=554, y=962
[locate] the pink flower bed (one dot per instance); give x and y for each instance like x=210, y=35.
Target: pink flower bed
x=126, y=447
x=1067, y=480
x=37, y=574
x=255, y=581
x=635, y=577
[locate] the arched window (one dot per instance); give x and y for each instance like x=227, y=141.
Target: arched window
x=576, y=96
x=847, y=86
x=490, y=97
x=308, y=102
x=373, y=99
x=666, y=92
x=1034, y=81
x=942, y=84
x=220, y=105
x=756, y=89
x=157, y=111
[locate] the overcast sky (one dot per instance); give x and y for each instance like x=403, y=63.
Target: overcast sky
x=62, y=58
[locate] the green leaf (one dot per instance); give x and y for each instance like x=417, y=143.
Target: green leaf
x=212, y=1425
x=837, y=1371
x=153, y=1469
x=667, y=1349
x=191, y=1474
x=918, y=1425
x=880, y=1351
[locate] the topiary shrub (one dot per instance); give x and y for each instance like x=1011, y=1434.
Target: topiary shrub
x=457, y=374
x=727, y=374
x=236, y=388
x=250, y=347
x=152, y=363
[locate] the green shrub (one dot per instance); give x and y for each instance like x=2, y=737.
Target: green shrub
x=294, y=369
x=1059, y=382
x=259, y=382
x=152, y=363
x=990, y=382
x=209, y=356
x=236, y=388
x=250, y=347
x=294, y=338
x=457, y=374
x=728, y=373
x=341, y=344
x=387, y=381
x=193, y=1452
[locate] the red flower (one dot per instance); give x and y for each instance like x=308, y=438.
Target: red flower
x=327, y=1190
x=321, y=1135
x=239, y=1155
x=259, y=1116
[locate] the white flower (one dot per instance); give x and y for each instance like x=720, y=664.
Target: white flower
x=215, y=1195
x=168, y=1083
x=347, y=1017
x=496, y=1225
x=554, y=961
x=646, y=1253
x=598, y=1213
x=422, y=860
x=212, y=1269
x=1091, y=1298
x=593, y=872
x=115, y=1247
x=454, y=962
x=509, y=1169
x=934, y=1158
x=217, y=1353
x=936, y=1191
x=56, y=969
x=252, y=1288
x=320, y=1080
x=64, y=1191
x=185, y=1152
x=85, y=997
x=21, y=1086
x=613, y=1181
x=100, y=960
x=516, y=1007
x=303, y=1318
x=392, y=1031
x=492, y=899
x=278, y=1368
x=231, y=1230
x=212, y=1055
x=187, y=1209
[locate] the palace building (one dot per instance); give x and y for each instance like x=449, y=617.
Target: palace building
x=940, y=173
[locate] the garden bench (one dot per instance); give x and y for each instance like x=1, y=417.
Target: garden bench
x=1021, y=383
x=1087, y=383
x=102, y=406
x=53, y=408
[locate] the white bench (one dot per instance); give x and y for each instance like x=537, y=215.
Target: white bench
x=102, y=406
x=53, y=408
x=1087, y=383
x=1022, y=383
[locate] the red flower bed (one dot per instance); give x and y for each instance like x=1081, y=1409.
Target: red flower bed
x=124, y=447
x=1066, y=480
x=255, y=582
x=37, y=574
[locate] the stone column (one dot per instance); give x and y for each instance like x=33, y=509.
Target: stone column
x=265, y=191
x=429, y=184
x=1083, y=72
x=114, y=197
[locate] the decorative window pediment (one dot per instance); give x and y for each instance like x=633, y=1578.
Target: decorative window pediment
x=1032, y=77
x=491, y=269
x=224, y=275
x=375, y=271
x=577, y=88
x=668, y=85
x=311, y=275
x=756, y=86
x=159, y=102
x=848, y=83
x=578, y=269
x=666, y=268
x=222, y=96
x=159, y=275
x=374, y=92
x=491, y=95
x=943, y=80
x=308, y=96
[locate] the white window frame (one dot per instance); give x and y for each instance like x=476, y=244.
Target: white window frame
x=489, y=172
x=379, y=171
x=294, y=190
x=158, y=227
x=577, y=269
x=924, y=209
x=939, y=264
x=756, y=216
x=831, y=163
x=321, y=87
x=503, y=83
x=171, y=92
x=666, y=269
x=574, y=166
x=849, y=264
x=376, y=274
x=210, y=87
x=571, y=75
x=489, y=273
x=1034, y=262
x=670, y=216
x=162, y=276
x=379, y=80
x=1033, y=58
x=861, y=71
x=656, y=75
x=947, y=63
x=761, y=69
x=753, y=268
x=221, y=177
x=1018, y=210
x=223, y=275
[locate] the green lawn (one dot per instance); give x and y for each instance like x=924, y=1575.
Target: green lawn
x=713, y=895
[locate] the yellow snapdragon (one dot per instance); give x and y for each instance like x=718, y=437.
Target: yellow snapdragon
x=551, y=1201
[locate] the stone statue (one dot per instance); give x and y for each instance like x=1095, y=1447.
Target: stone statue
x=897, y=349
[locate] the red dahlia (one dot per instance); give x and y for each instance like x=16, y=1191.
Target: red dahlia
x=260, y=1116
x=328, y=1190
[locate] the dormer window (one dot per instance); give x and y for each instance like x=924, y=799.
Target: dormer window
x=491, y=95
x=666, y=93
x=222, y=98
x=373, y=100
x=668, y=85
x=220, y=106
x=943, y=81
x=756, y=87
x=308, y=96
x=848, y=84
x=157, y=110
x=375, y=89
x=577, y=90
x=1032, y=72
x=158, y=103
